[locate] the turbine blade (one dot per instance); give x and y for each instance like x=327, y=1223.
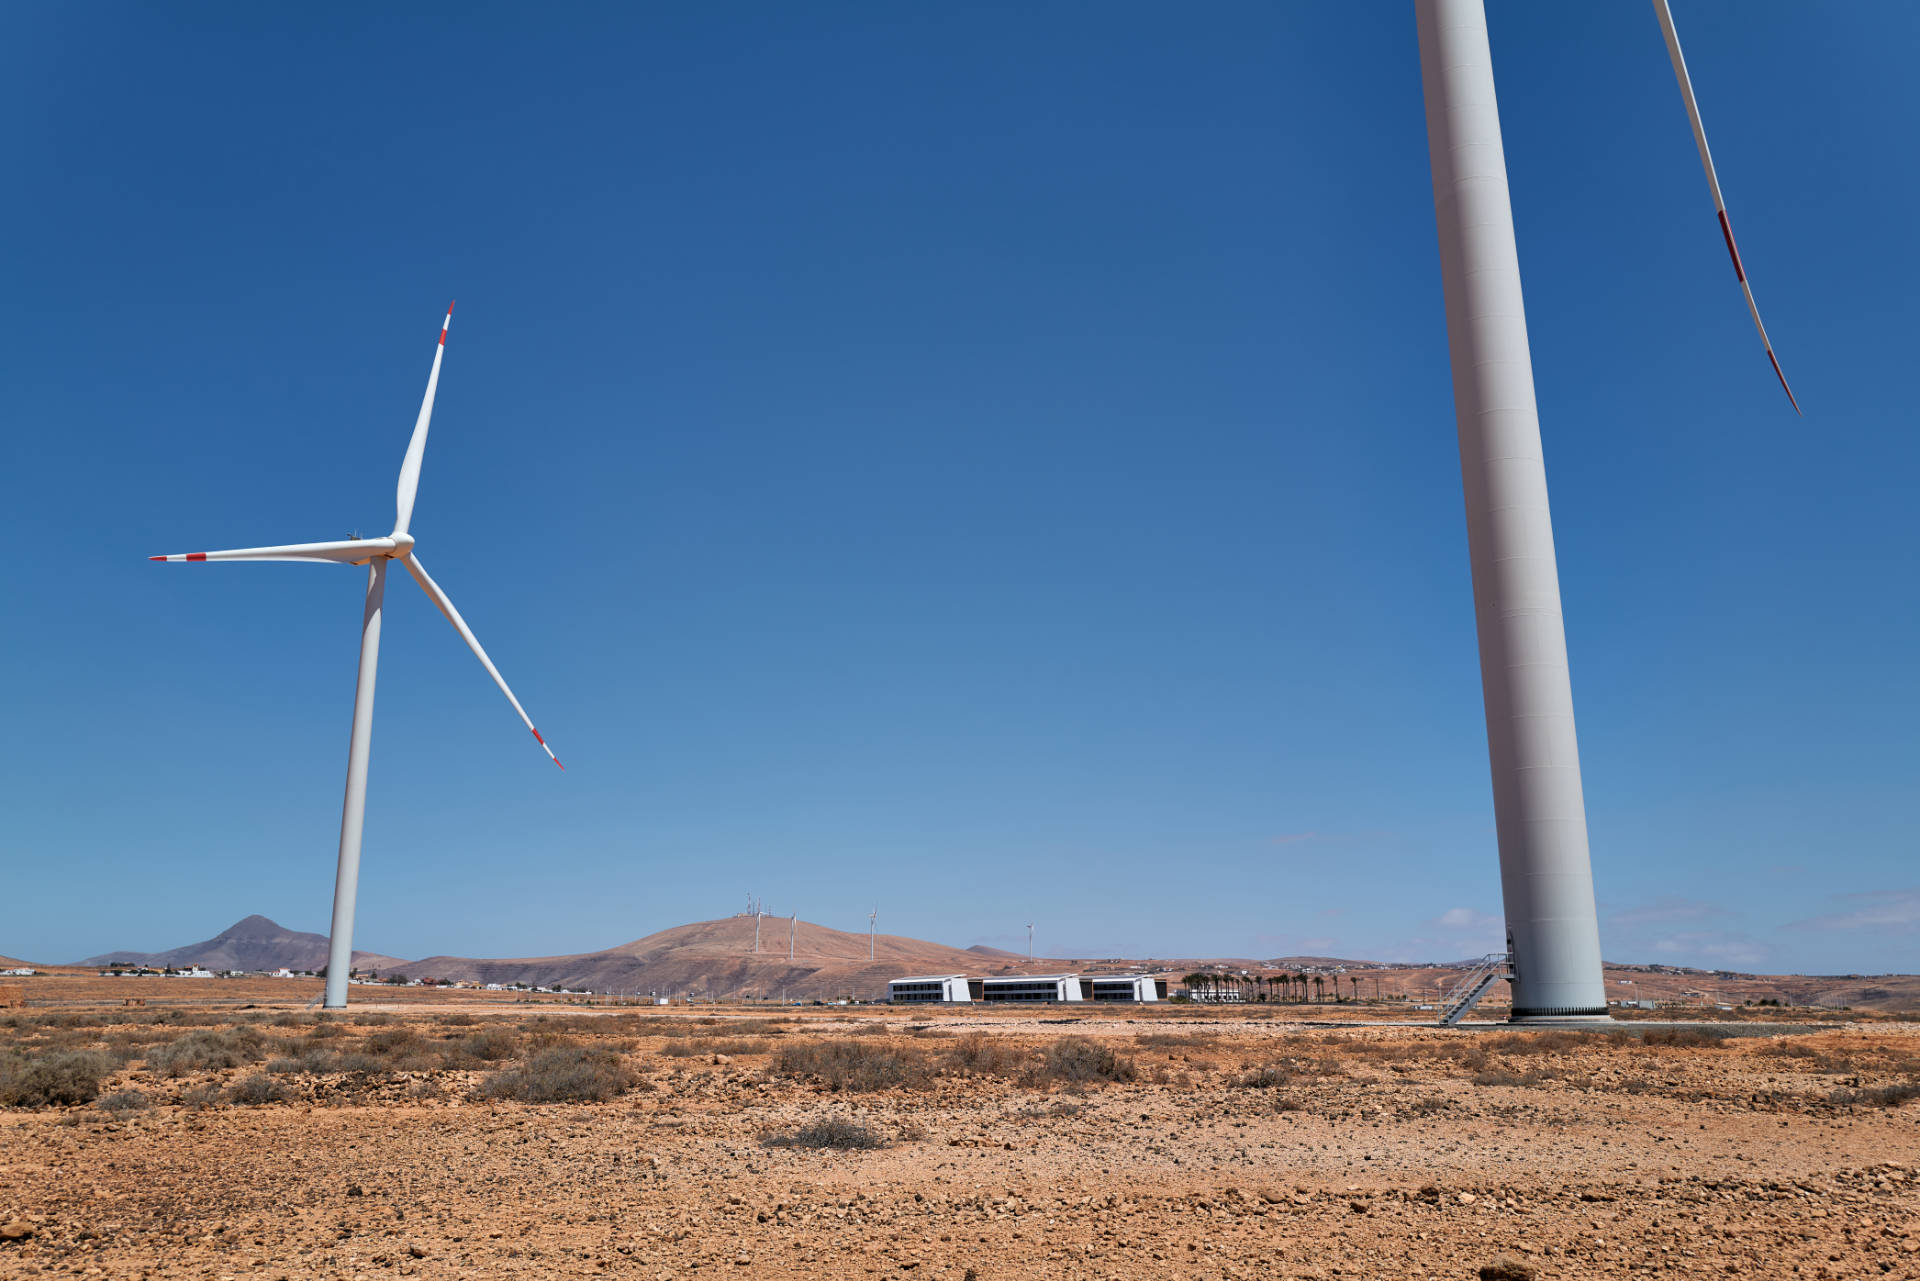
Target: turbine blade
x=410, y=465
x=445, y=605
x=1679, y=61
x=348, y=552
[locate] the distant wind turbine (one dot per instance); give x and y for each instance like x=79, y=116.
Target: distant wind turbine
x=1029, y=942
x=871, y=918
x=375, y=553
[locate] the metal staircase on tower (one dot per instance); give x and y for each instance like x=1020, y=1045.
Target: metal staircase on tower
x=1466, y=994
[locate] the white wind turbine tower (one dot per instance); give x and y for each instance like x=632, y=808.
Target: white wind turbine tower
x=1546, y=874
x=872, y=917
x=1029, y=942
x=375, y=553
x=793, y=924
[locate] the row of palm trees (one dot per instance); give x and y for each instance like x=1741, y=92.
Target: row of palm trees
x=1207, y=985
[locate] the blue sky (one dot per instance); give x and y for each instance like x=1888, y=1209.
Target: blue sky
x=994, y=462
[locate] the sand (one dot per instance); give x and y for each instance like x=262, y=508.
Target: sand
x=1243, y=1146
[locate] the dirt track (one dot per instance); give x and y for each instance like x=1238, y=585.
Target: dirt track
x=1241, y=1147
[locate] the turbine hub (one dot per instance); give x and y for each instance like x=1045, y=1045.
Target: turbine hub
x=403, y=543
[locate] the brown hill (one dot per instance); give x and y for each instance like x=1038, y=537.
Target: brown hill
x=254, y=943
x=716, y=958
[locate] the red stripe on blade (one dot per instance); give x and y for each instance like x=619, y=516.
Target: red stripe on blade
x=196, y=555
x=1727, y=231
x=1783, y=383
x=156, y=558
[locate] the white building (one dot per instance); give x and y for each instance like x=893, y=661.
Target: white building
x=924, y=988
x=1031, y=987
x=1120, y=987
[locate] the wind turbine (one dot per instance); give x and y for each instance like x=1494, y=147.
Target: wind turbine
x=375, y=554
x=793, y=924
x=1029, y=942
x=1546, y=871
x=871, y=918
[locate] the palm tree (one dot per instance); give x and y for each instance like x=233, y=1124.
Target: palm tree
x=1355, y=980
x=1319, y=987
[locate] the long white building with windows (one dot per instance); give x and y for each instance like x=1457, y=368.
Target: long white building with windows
x=1120, y=987
x=1032, y=987
x=928, y=989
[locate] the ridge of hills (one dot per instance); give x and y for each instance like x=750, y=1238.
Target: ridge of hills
x=251, y=943
x=717, y=959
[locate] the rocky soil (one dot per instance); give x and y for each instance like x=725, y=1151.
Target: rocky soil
x=1181, y=1144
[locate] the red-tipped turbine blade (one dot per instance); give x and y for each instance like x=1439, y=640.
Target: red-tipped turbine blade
x=417, y=446
x=1713, y=184
x=444, y=604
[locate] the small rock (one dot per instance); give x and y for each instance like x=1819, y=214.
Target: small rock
x=1468, y=1198
x=742, y=1260
x=417, y=1251
x=18, y=1230
x=353, y=1189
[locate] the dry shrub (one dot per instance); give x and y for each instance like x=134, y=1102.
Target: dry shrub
x=1686, y=1037
x=986, y=1055
x=122, y=1102
x=694, y=1049
x=61, y=1078
x=489, y=1045
x=563, y=1074
x=1080, y=1060
x=208, y=1050
x=756, y=1027
x=1272, y=1076
x=1883, y=1096
x=257, y=1089
x=852, y=1065
x=832, y=1132
x=1506, y=1076
x=1521, y=1043
x=1169, y=1040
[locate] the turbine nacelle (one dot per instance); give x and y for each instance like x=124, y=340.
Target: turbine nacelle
x=402, y=543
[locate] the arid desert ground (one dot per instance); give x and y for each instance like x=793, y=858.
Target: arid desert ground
x=439, y=1138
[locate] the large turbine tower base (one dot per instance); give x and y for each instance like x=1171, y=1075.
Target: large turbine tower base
x=353, y=810
x=1546, y=876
